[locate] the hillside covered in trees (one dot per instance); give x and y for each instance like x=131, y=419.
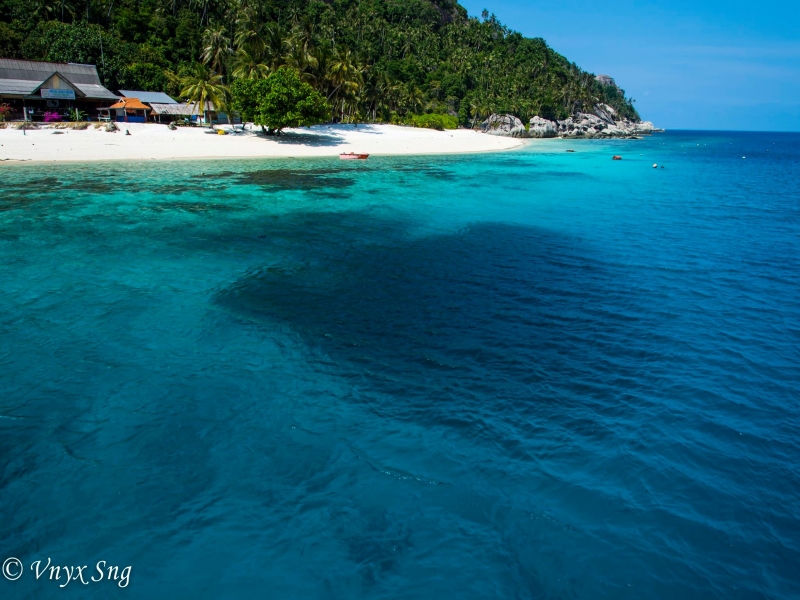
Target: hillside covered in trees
x=371, y=59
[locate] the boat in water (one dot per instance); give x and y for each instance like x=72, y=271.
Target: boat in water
x=353, y=156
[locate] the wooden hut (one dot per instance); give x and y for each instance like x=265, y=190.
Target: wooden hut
x=129, y=110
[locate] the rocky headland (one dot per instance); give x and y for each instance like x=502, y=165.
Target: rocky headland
x=601, y=123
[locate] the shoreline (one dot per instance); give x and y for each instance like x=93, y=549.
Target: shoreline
x=157, y=142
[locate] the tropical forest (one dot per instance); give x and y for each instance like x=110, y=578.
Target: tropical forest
x=398, y=61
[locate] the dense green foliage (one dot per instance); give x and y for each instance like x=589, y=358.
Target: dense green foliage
x=432, y=121
x=279, y=101
x=370, y=59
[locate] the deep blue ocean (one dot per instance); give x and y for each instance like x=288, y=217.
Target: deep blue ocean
x=533, y=374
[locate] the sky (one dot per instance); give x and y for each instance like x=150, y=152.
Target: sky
x=702, y=64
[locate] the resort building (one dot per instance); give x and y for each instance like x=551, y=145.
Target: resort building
x=39, y=91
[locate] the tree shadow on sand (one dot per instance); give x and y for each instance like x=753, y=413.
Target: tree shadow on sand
x=307, y=139
x=362, y=128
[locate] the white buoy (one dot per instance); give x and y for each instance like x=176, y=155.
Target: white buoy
x=744, y=157
x=655, y=166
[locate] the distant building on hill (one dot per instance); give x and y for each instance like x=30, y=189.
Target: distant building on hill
x=33, y=89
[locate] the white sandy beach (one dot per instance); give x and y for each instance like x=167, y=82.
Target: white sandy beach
x=157, y=142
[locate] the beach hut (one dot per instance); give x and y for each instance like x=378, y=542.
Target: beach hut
x=129, y=110
x=166, y=113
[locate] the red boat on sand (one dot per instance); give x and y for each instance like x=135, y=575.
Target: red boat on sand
x=353, y=156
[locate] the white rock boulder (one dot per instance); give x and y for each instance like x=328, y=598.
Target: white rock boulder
x=606, y=113
x=643, y=127
x=542, y=128
x=582, y=125
x=505, y=125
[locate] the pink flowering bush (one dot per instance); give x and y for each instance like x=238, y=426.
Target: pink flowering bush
x=49, y=117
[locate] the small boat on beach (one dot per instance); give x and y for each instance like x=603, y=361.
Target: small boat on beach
x=353, y=156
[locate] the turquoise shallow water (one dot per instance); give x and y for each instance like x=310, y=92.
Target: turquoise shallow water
x=535, y=374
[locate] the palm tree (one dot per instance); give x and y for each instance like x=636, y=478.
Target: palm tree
x=216, y=48
x=317, y=74
x=408, y=43
x=263, y=42
x=47, y=9
x=204, y=4
x=481, y=108
x=246, y=65
x=300, y=52
x=44, y=8
x=293, y=13
x=67, y=7
x=414, y=98
x=375, y=91
x=203, y=87
x=343, y=73
x=259, y=48
x=172, y=5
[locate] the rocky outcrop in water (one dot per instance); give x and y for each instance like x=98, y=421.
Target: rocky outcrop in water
x=593, y=126
x=601, y=123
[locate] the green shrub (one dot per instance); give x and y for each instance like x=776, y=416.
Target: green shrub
x=434, y=121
